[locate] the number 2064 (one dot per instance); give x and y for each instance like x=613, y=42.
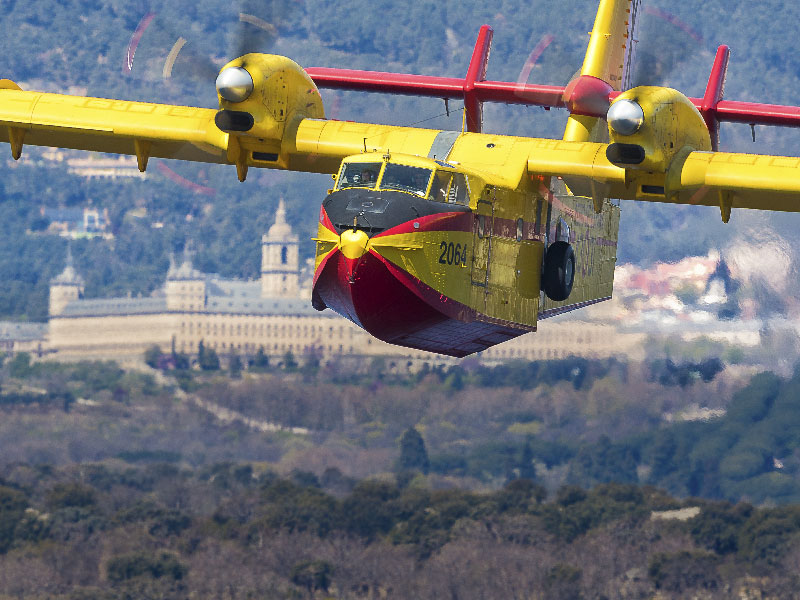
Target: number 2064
x=453, y=254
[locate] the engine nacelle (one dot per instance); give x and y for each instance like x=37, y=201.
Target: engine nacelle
x=649, y=126
x=261, y=98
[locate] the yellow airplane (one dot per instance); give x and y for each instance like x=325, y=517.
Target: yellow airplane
x=451, y=241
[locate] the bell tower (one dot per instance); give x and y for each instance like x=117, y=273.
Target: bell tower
x=280, y=259
x=66, y=287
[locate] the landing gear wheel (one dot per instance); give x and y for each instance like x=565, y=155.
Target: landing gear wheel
x=559, y=271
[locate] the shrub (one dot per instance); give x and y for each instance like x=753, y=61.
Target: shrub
x=137, y=564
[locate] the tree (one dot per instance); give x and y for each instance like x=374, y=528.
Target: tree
x=413, y=454
x=289, y=361
x=564, y=582
x=235, y=365
x=180, y=361
x=20, y=365
x=684, y=570
x=527, y=470
x=261, y=360
x=65, y=495
x=312, y=357
x=151, y=356
x=312, y=575
x=12, y=508
x=207, y=358
x=136, y=564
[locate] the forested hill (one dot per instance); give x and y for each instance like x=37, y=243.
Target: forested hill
x=79, y=46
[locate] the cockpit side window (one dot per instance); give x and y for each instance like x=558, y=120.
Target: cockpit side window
x=362, y=175
x=406, y=179
x=441, y=186
x=459, y=192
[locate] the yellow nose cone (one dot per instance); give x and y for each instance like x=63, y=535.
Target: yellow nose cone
x=353, y=243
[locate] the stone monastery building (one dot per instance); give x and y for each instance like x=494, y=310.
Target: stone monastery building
x=236, y=316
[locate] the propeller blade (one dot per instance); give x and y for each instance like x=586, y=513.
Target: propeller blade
x=258, y=26
x=665, y=43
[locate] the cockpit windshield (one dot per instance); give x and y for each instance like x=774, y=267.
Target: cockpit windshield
x=414, y=180
x=362, y=175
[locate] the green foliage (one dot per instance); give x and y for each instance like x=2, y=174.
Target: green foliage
x=520, y=495
x=564, y=582
x=753, y=403
x=448, y=462
x=726, y=539
x=97, y=376
x=668, y=373
x=305, y=478
x=138, y=564
x=235, y=365
x=604, y=462
x=312, y=575
x=765, y=537
x=312, y=358
x=207, y=358
x=20, y=365
x=426, y=520
x=413, y=454
x=733, y=457
x=155, y=456
x=292, y=507
x=169, y=523
x=575, y=511
x=367, y=511
x=683, y=571
x=71, y=495
x=260, y=360
x=12, y=507
x=717, y=526
x=289, y=362
x=333, y=479
x=152, y=356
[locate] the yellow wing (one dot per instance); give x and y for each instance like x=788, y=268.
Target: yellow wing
x=117, y=126
x=724, y=179
x=284, y=98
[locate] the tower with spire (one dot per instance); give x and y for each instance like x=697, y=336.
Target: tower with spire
x=65, y=287
x=280, y=259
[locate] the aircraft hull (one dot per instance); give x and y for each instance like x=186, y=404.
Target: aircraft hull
x=395, y=306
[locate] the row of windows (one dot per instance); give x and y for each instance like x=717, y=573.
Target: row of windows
x=539, y=354
x=268, y=348
x=261, y=329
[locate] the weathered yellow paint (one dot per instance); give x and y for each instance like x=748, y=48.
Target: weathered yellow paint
x=608, y=43
x=418, y=254
x=500, y=277
x=671, y=124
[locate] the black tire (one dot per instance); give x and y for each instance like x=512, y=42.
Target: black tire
x=559, y=271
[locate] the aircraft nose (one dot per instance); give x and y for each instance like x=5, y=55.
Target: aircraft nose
x=353, y=243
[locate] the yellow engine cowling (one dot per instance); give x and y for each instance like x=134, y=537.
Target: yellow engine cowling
x=668, y=125
x=258, y=114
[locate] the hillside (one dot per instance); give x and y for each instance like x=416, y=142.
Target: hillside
x=337, y=482
x=81, y=47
